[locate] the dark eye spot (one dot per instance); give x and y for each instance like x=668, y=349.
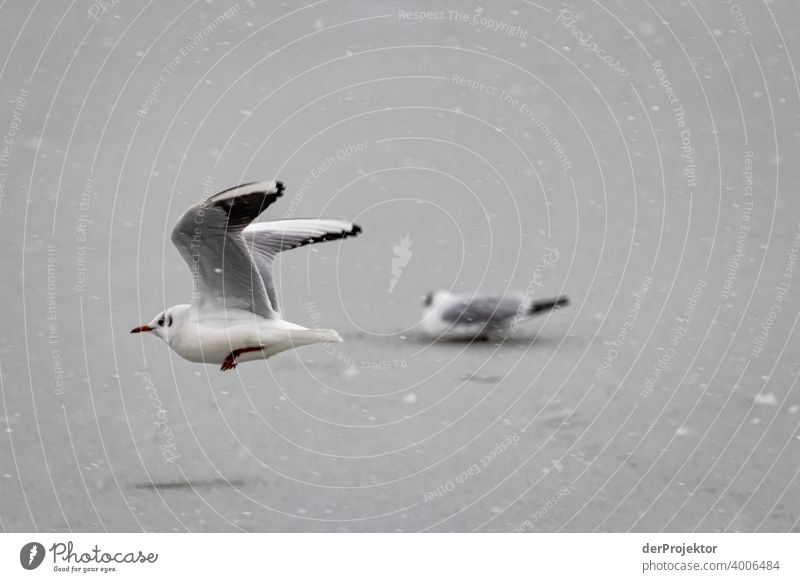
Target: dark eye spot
x=428, y=299
x=161, y=322
x=169, y=323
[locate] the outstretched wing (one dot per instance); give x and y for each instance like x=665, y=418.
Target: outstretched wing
x=209, y=238
x=483, y=309
x=264, y=240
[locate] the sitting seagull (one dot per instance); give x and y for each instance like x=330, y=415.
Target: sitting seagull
x=474, y=316
x=234, y=314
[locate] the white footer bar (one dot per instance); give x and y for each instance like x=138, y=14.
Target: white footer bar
x=406, y=557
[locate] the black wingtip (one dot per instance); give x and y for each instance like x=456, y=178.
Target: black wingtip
x=280, y=188
x=548, y=304
x=356, y=230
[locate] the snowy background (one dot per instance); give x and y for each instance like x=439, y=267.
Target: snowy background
x=637, y=157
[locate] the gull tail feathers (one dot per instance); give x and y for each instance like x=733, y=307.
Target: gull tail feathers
x=302, y=337
x=329, y=336
x=547, y=305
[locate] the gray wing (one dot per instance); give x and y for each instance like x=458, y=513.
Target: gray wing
x=264, y=240
x=209, y=238
x=483, y=309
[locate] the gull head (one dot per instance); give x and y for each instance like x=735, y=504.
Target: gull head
x=434, y=297
x=165, y=323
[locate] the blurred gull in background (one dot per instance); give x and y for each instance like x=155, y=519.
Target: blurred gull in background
x=480, y=316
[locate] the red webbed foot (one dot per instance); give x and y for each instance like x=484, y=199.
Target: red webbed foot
x=230, y=360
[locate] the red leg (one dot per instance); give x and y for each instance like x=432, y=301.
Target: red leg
x=230, y=360
x=229, y=363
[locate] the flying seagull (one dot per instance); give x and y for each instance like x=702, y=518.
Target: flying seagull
x=234, y=315
x=478, y=316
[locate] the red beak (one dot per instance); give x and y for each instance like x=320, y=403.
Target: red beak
x=141, y=328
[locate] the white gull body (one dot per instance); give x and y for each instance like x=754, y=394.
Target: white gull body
x=450, y=315
x=234, y=315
